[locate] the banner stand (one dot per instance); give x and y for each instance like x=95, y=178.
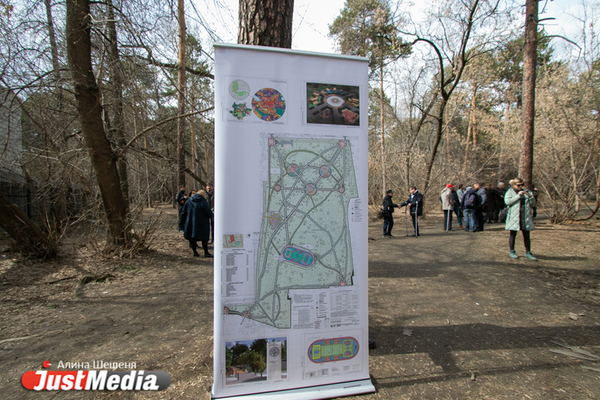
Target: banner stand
x=320, y=392
x=291, y=224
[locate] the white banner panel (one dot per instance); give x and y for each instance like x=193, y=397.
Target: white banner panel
x=291, y=164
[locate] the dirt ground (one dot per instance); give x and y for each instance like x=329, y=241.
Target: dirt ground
x=453, y=316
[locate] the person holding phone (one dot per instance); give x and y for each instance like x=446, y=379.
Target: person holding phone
x=519, y=217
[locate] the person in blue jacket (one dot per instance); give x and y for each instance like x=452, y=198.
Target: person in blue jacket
x=469, y=204
x=195, y=222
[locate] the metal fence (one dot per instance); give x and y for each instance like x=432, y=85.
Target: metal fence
x=16, y=189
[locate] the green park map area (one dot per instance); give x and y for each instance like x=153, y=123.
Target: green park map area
x=305, y=237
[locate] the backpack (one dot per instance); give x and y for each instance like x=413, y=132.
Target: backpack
x=470, y=200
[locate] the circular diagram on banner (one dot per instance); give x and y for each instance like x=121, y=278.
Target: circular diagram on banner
x=239, y=89
x=335, y=101
x=268, y=104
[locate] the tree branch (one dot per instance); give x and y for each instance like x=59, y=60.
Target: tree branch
x=138, y=135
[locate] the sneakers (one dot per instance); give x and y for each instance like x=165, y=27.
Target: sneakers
x=208, y=255
x=530, y=256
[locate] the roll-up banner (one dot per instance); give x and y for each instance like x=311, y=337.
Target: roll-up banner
x=291, y=158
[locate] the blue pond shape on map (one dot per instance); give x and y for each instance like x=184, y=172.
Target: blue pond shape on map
x=298, y=256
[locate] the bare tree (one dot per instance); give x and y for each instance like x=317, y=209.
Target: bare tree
x=88, y=98
x=29, y=237
x=52, y=37
x=116, y=71
x=367, y=28
x=452, y=51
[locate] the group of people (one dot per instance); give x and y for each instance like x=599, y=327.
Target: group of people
x=473, y=206
x=196, y=217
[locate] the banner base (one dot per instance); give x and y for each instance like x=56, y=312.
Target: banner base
x=312, y=393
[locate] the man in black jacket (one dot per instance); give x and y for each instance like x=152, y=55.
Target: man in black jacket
x=415, y=204
x=180, y=199
x=388, y=210
x=499, y=198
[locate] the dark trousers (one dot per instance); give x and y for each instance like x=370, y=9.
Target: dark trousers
x=415, y=223
x=492, y=215
x=388, y=224
x=526, y=240
x=194, y=246
x=179, y=226
x=459, y=215
x=480, y=219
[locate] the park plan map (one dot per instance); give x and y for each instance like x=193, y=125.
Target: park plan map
x=305, y=237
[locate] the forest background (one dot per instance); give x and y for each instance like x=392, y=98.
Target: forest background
x=108, y=106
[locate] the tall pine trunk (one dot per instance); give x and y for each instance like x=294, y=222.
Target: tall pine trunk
x=266, y=23
x=382, y=128
x=181, y=96
x=529, y=76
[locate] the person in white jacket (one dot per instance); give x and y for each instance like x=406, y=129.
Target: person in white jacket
x=519, y=218
x=447, y=206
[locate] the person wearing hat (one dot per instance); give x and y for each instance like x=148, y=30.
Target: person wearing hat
x=388, y=210
x=447, y=205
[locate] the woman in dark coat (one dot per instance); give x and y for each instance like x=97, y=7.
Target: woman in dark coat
x=195, y=222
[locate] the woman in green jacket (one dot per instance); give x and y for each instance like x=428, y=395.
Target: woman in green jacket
x=519, y=201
